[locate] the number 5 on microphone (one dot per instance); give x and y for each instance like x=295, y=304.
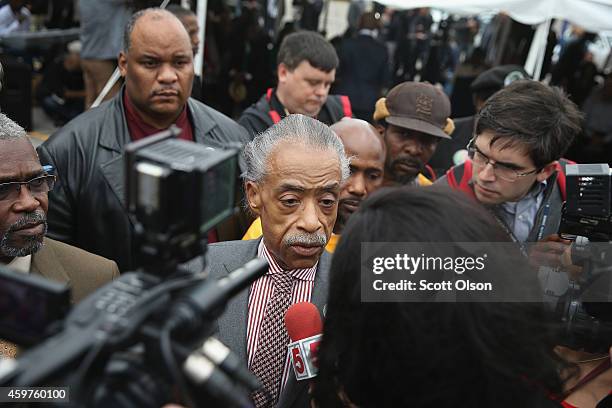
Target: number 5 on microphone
x=297, y=361
x=304, y=357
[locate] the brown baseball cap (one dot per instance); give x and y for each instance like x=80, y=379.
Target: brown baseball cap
x=419, y=106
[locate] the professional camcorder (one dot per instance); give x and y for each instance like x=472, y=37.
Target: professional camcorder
x=586, y=212
x=586, y=220
x=144, y=339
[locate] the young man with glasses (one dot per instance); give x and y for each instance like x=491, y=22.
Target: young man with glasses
x=516, y=167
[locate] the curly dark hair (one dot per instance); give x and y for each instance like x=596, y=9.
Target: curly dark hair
x=400, y=354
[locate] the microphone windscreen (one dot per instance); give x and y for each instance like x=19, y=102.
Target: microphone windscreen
x=303, y=320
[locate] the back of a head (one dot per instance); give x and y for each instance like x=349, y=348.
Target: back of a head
x=369, y=21
x=496, y=78
x=307, y=46
x=539, y=118
x=427, y=354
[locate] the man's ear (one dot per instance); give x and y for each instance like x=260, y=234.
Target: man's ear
x=122, y=62
x=547, y=171
x=282, y=72
x=253, y=196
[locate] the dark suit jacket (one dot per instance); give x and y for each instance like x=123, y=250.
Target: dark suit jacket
x=81, y=271
x=223, y=258
x=363, y=72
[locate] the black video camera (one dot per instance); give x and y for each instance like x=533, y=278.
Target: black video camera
x=587, y=220
x=138, y=340
x=176, y=192
x=586, y=212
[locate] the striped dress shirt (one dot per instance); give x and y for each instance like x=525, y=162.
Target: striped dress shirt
x=261, y=292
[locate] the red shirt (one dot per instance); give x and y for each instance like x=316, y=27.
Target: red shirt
x=139, y=129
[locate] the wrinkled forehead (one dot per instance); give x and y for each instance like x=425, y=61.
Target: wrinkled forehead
x=302, y=165
x=18, y=160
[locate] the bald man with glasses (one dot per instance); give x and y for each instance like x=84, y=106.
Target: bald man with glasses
x=515, y=164
x=24, y=185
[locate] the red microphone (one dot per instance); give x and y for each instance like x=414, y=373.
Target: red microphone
x=303, y=323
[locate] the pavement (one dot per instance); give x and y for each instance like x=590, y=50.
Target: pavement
x=42, y=126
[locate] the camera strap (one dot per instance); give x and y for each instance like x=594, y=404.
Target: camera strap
x=603, y=366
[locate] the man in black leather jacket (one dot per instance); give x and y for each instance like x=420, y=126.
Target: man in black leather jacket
x=88, y=204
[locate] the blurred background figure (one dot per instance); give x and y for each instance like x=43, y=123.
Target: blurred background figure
x=596, y=144
x=311, y=10
x=102, y=23
x=61, y=93
x=574, y=71
x=14, y=17
x=363, y=73
x=356, y=9
x=190, y=21
x=461, y=96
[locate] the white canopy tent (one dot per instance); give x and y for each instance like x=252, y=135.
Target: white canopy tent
x=592, y=15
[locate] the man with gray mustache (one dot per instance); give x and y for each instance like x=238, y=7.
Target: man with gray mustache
x=294, y=173
x=24, y=185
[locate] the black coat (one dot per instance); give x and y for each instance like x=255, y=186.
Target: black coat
x=86, y=208
x=364, y=71
x=442, y=159
x=256, y=118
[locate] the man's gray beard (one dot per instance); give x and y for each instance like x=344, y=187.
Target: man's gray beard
x=33, y=243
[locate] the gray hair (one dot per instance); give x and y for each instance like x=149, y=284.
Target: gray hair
x=297, y=129
x=10, y=130
x=129, y=27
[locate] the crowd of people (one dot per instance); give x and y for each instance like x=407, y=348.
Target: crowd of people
x=323, y=173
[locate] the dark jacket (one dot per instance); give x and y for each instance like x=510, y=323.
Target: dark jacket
x=546, y=221
x=363, y=72
x=225, y=257
x=258, y=117
x=442, y=159
x=87, y=206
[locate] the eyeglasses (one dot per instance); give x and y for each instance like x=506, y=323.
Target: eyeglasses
x=38, y=185
x=500, y=170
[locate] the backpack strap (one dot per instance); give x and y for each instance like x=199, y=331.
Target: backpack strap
x=561, y=179
x=463, y=173
x=431, y=172
x=346, y=106
x=274, y=115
